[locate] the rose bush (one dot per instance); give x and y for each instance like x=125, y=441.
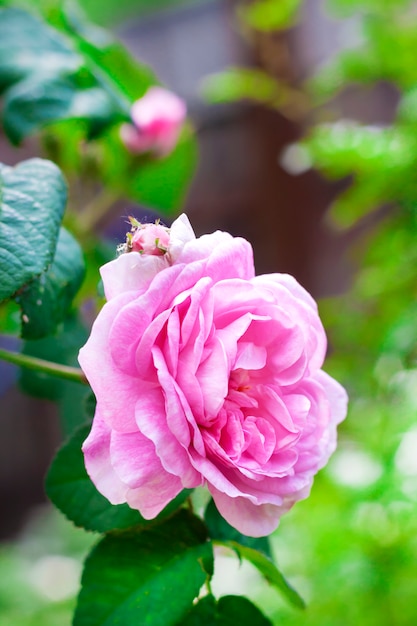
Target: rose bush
x=206, y=374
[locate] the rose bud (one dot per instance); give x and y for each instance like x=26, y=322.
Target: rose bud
x=157, y=121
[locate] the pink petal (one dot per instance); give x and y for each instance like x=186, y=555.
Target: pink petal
x=157, y=419
x=130, y=272
x=300, y=307
x=336, y=394
x=199, y=300
x=158, y=103
x=154, y=496
x=201, y=248
x=248, y=518
x=229, y=336
x=134, y=458
x=131, y=325
x=225, y=256
x=250, y=356
x=96, y=449
x=134, y=141
x=117, y=392
x=135, y=462
x=213, y=378
x=181, y=233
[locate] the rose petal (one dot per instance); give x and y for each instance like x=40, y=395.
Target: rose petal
x=225, y=256
x=336, y=394
x=130, y=272
x=135, y=462
x=250, y=519
x=213, y=377
x=181, y=233
x=157, y=417
x=116, y=391
x=155, y=495
x=96, y=449
x=133, y=458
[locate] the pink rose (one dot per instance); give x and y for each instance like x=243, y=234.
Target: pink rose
x=206, y=374
x=157, y=120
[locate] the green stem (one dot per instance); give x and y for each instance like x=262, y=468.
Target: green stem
x=93, y=212
x=55, y=369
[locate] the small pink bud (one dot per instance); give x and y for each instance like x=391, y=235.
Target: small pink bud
x=157, y=120
x=150, y=239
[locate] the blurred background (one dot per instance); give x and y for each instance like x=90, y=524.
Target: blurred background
x=305, y=114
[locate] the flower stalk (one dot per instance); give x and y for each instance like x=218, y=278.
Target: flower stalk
x=66, y=372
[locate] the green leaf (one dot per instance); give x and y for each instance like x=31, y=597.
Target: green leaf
x=160, y=184
x=47, y=80
x=62, y=347
x=270, y=15
x=33, y=196
x=220, y=529
x=268, y=570
x=226, y=611
x=88, y=77
x=71, y=490
x=120, y=11
x=239, y=610
x=115, y=68
x=150, y=577
x=36, y=102
x=241, y=83
x=10, y=320
x=45, y=302
x=27, y=46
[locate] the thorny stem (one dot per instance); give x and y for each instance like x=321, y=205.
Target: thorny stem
x=48, y=367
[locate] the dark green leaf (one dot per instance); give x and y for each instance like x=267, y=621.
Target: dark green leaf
x=239, y=610
x=48, y=80
x=73, y=493
x=151, y=577
x=36, y=102
x=220, y=529
x=73, y=406
x=267, y=568
x=108, y=60
x=90, y=404
x=33, y=196
x=45, y=302
x=27, y=46
x=62, y=347
x=229, y=610
x=204, y=613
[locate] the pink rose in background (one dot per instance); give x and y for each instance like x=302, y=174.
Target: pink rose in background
x=157, y=120
x=206, y=374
